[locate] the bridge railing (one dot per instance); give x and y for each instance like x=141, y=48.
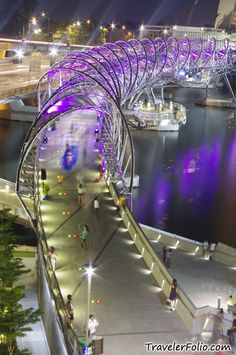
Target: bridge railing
x=55, y=302
x=194, y=318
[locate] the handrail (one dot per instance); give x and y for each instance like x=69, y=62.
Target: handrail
x=193, y=317
x=54, y=285
x=172, y=235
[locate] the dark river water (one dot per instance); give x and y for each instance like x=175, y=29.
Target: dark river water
x=187, y=178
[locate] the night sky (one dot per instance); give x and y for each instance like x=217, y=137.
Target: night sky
x=139, y=11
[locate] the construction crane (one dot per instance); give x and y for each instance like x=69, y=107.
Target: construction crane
x=190, y=15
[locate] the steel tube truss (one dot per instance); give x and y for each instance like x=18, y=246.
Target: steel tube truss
x=103, y=79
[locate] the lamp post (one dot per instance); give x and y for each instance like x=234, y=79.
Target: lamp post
x=43, y=14
x=53, y=53
x=89, y=272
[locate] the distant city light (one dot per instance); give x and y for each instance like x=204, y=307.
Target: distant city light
x=165, y=31
x=37, y=31
x=123, y=27
x=78, y=23
x=141, y=27
x=113, y=26
x=34, y=20
x=19, y=54
x=175, y=27
x=53, y=51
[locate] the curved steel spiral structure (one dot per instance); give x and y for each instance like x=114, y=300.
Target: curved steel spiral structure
x=103, y=79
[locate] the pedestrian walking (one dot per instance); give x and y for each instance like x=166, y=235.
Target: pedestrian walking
x=173, y=295
x=45, y=140
x=168, y=257
x=121, y=202
x=84, y=236
x=70, y=309
x=96, y=143
x=205, y=246
x=60, y=179
x=231, y=332
x=45, y=190
x=80, y=193
x=92, y=324
x=164, y=251
x=212, y=249
x=52, y=257
x=96, y=205
x=231, y=302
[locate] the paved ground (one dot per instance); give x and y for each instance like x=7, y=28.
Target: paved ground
x=202, y=280
x=35, y=341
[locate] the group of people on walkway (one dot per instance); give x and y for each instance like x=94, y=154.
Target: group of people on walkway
x=92, y=322
x=208, y=249
x=81, y=191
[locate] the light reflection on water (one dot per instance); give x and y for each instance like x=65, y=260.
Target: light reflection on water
x=188, y=180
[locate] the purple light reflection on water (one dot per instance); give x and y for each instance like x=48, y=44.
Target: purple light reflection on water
x=228, y=202
x=199, y=178
x=198, y=166
x=161, y=195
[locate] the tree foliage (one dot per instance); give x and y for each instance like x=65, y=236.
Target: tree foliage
x=14, y=319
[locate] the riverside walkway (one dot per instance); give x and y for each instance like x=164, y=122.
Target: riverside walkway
x=131, y=311
x=125, y=299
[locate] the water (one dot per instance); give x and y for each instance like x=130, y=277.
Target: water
x=187, y=179
x=12, y=134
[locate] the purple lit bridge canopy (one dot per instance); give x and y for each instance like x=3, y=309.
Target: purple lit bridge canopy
x=104, y=79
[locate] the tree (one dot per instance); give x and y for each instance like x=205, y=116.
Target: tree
x=14, y=320
x=14, y=14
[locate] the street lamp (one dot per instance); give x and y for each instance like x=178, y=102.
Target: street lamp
x=37, y=31
x=44, y=15
x=53, y=53
x=34, y=21
x=89, y=269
